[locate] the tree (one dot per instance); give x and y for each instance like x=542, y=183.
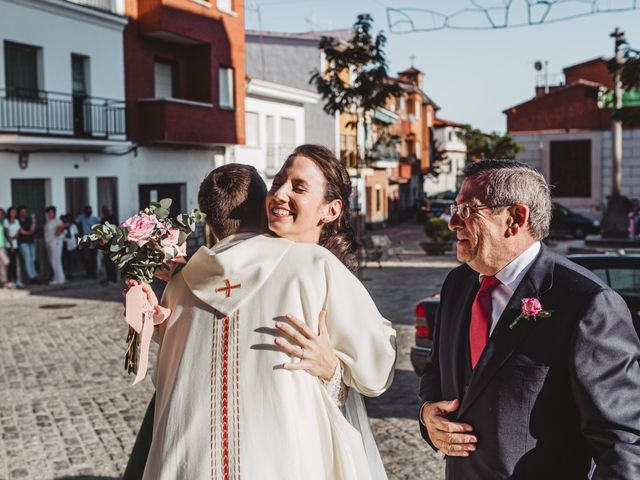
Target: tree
x=481, y=146
x=356, y=80
x=630, y=74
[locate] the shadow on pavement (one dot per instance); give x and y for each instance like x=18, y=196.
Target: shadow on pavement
x=91, y=291
x=87, y=477
x=400, y=401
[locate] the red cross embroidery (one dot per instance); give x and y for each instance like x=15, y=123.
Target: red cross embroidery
x=227, y=288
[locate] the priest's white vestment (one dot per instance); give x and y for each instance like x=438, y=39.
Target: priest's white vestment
x=225, y=409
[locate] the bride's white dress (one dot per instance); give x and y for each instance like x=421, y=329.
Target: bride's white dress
x=224, y=408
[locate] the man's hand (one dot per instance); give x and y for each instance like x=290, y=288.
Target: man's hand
x=453, y=439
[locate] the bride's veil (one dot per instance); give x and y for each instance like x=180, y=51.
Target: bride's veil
x=356, y=414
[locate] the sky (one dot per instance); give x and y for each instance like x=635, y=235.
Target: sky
x=472, y=75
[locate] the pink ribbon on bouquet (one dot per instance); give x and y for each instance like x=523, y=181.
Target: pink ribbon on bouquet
x=142, y=316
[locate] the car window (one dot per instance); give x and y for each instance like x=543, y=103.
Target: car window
x=602, y=274
x=622, y=280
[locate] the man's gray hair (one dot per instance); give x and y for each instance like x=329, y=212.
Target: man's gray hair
x=508, y=182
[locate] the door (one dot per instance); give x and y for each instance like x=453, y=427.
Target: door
x=76, y=191
x=157, y=191
x=30, y=193
x=81, y=115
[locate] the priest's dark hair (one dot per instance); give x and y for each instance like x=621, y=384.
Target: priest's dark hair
x=338, y=236
x=232, y=197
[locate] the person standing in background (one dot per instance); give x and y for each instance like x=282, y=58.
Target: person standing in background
x=89, y=255
x=109, y=266
x=53, y=229
x=4, y=259
x=70, y=244
x=11, y=229
x=26, y=243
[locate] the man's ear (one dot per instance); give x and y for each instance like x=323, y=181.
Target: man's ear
x=518, y=217
x=333, y=209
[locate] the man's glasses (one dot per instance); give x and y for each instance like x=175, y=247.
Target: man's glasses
x=464, y=210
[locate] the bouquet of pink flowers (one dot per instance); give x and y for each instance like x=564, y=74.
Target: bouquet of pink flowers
x=147, y=244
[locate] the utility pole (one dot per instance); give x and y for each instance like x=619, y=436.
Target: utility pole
x=615, y=222
x=616, y=123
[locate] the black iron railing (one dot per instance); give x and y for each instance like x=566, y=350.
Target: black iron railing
x=51, y=113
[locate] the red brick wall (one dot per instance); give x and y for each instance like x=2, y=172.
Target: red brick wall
x=569, y=108
x=595, y=71
x=213, y=39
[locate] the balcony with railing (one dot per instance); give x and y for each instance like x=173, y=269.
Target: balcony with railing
x=38, y=112
x=105, y=5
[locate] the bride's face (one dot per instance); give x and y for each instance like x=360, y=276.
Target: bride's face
x=295, y=205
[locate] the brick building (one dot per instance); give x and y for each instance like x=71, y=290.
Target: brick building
x=566, y=134
x=185, y=91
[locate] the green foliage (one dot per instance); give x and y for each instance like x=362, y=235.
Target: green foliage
x=363, y=55
x=141, y=262
x=481, y=146
x=437, y=230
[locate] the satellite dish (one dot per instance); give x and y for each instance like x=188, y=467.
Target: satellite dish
x=538, y=65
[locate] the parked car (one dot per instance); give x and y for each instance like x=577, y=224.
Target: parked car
x=566, y=222
x=424, y=320
x=620, y=272
x=433, y=205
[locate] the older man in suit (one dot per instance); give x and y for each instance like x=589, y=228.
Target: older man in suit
x=535, y=372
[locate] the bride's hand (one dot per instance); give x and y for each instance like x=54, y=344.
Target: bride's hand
x=315, y=351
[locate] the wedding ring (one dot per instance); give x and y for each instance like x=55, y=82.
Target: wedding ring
x=302, y=353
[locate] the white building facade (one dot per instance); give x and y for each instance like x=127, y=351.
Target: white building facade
x=451, y=146
x=274, y=125
x=62, y=110
x=593, y=183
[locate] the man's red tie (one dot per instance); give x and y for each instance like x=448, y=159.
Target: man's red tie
x=481, y=318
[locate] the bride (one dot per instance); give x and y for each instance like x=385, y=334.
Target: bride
x=230, y=403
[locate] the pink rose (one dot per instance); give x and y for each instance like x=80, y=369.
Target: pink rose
x=531, y=307
x=141, y=228
x=172, y=238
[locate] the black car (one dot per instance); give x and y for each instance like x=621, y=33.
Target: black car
x=434, y=205
x=566, y=222
x=620, y=272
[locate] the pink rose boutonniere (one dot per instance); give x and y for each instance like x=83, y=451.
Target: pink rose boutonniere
x=531, y=310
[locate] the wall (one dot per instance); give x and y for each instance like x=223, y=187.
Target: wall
x=536, y=154
x=149, y=165
x=300, y=57
x=60, y=29
x=55, y=167
x=257, y=156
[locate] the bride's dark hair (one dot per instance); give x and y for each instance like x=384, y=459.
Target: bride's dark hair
x=338, y=236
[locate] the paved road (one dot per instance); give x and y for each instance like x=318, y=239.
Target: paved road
x=67, y=410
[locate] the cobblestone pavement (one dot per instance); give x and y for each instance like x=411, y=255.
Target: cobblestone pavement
x=68, y=411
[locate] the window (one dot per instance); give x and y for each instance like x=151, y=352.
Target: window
x=252, y=129
x=625, y=281
x=226, y=92
x=418, y=150
x=570, y=168
x=378, y=198
x=21, y=66
x=225, y=5
x=108, y=194
x=164, y=79
x=271, y=143
x=80, y=75
x=287, y=134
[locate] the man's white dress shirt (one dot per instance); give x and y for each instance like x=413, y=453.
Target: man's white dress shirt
x=510, y=277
